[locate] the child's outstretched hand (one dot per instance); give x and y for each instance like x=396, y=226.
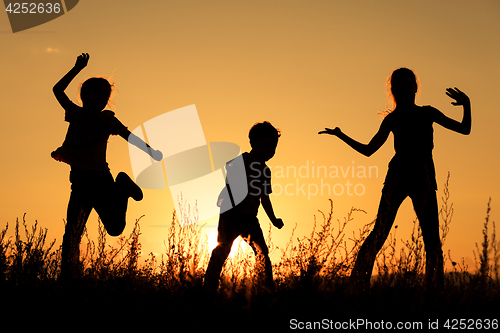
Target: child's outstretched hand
x=278, y=223
x=82, y=61
x=460, y=97
x=335, y=131
x=156, y=155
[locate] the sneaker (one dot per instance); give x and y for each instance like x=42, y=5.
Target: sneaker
x=127, y=185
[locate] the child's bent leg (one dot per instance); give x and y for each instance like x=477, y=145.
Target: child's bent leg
x=112, y=201
x=112, y=211
x=128, y=187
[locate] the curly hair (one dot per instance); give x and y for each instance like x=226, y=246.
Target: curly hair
x=263, y=130
x=97, y=86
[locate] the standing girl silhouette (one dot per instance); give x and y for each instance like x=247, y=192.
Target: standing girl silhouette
x=411, y=171
x=84, y=149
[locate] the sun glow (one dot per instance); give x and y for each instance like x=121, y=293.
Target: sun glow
x=211, y=239
x=239, y=245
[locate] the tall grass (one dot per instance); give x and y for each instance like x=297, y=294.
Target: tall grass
x=488, y=264
x=29, y=260
x=311, y=273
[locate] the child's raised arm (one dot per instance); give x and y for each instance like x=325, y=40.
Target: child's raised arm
x=63, y=83
x=463, y=127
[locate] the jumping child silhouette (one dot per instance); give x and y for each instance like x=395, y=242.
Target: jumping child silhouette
x=411, y=172
x=242, y=219
x=84, y=149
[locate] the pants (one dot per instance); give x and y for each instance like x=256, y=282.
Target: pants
x=90, y=189
x=231, y=226
x=423, y=195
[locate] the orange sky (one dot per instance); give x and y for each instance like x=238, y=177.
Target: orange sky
x=302, y=65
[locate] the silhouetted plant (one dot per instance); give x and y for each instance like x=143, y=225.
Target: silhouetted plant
x=313, y=267
x=489, y=252
x=5, y=245
x=29, y=259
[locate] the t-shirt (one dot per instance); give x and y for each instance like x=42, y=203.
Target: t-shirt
x=87, y=137
x=413, y=142
x=258, y=184
x=413, y=131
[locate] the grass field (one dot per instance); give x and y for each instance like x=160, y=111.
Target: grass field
x=120, y=288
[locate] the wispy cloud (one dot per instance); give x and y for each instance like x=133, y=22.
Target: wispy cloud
x=51, y=50
x=46, y=50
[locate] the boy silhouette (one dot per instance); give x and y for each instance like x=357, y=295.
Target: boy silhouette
x=84, y=149
x=241, y=220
